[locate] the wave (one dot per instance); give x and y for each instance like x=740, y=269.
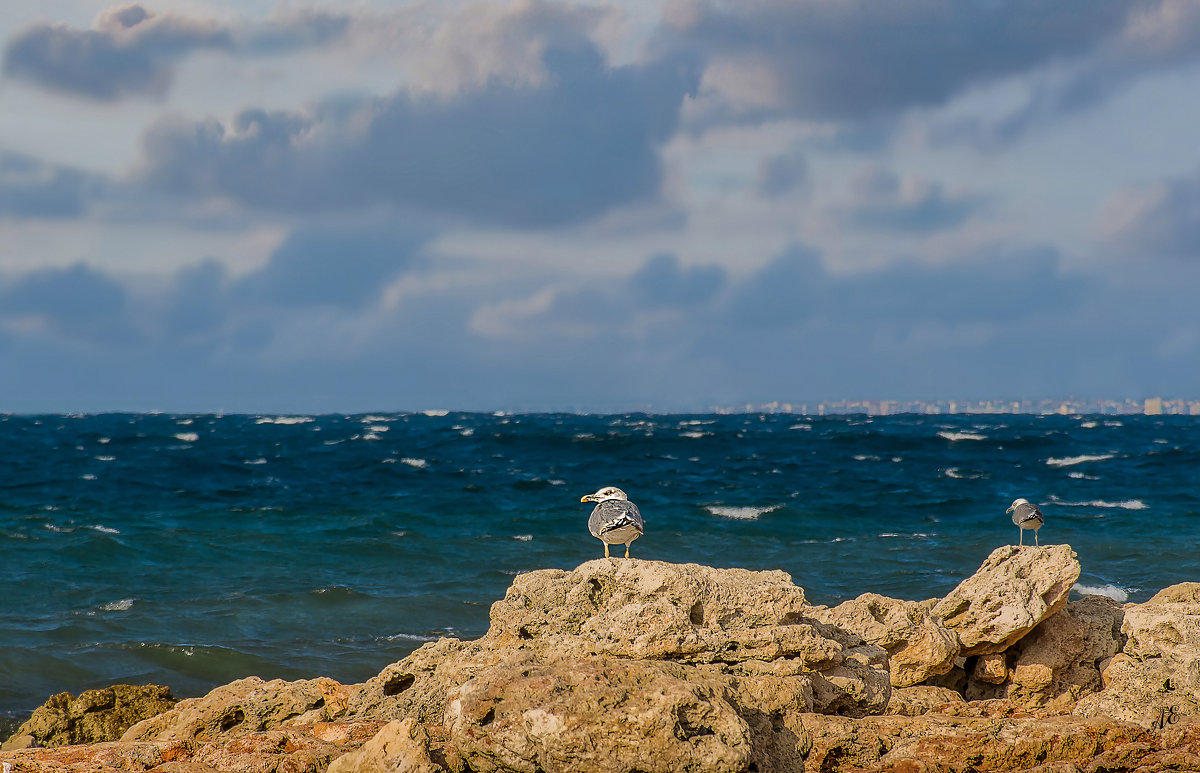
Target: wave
x=1068, y=461
x=259, y=460
x=106, y=458
x=741, y=513
x=1082, y=476
x=800, y=426
x=434, y=413
x=523, y=537
x=952, y=436
x=121, y=605
x=1126, y=504
x=695, y=434
x=956, y=474
x=418, y=463
x=284, y=420
x=102, y=529
x=1119, y=595
x=1089, y=424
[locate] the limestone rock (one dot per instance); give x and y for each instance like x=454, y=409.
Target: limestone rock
x=991, y=668
x=917, y=644
x=246, y=706
x=1156, y=678
x=597, y=714
x=914, y=701
x=94, y=716
x=400, y=746
x=1011, y=592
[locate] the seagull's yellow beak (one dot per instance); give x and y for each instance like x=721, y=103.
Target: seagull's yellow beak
x=1009, y=510
x=587, y=498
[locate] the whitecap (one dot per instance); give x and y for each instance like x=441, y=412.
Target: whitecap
x=740, y=513
x=123, y=605
x=57, y=529
x=897, y=459
x=407, y=637
x=418, y=463
x=1082, y=476
x=259, y=460
x=523, y=537
x=103, y=529
x=185, y=422
x=374, y=419
x=389, y=460
x=106, y=458
x=1119, y=595
x=104, y=441
x=556, y=482
x=695, y=434
x=962, y=436
x=866, y=458
x=1113, y=424
x=284, y=420
x=435, y=413
x=466, y=432
x=378, y=428
x=370, y=436
x=88, y=476
x=1068, y=461
x=1124, y=504
x=187, y=437
x=1089, y=424
x=800, y=426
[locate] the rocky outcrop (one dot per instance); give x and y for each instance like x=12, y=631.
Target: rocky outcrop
x=1015, y=589
x=917, y=643
x=1155, y=679
x=246, y=706
x=645, y=666
x=93, y=717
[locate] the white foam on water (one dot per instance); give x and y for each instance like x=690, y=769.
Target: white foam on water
x=185, y=422
x=695, y=434
x=88, y=476
x=866, y=458
x=407, y=637
x=800, y=426
x=1125, y=504
x=259, y=460
x=1082, y=476
x=1090, y=424
x=952, y=436
x=1113, y=424
x=897, y=459
x=187, y=437
x=556, y=482
x=418, y=463
x=105, y=441
x=523, y=537
x=374, y=419
x=466, y=432
x=370, y=436
x=389, y=460
x=1119, y=595
x=435, y=413
x=740, y=513
x=57, y=529
x=103, y=529
x=1069, y=461
x=106, y=458
x=284, y=420
x=378, y=428
x=696, y=422
x=123, y=605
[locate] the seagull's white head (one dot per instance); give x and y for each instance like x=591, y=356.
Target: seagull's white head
x=604, y=494
x=1017, y=503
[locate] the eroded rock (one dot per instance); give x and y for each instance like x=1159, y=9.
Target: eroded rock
x=92, y=717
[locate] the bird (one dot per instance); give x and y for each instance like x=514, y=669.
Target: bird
x=1026, y=515
x=614, y=519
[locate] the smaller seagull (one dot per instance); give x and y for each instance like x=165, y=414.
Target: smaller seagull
x=1026, y=515
x=614, y=520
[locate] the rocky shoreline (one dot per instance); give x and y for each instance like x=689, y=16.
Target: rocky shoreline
x=625, y=666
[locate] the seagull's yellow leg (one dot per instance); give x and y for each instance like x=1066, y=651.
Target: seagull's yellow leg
x=1035, y=541
x=605, y=549
x=627, y=550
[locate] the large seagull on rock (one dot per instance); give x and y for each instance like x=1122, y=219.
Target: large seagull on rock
x=614, y=520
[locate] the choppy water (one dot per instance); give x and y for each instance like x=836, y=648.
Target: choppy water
x=192, y=550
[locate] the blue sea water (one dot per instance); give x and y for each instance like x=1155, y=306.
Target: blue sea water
x=193, y=550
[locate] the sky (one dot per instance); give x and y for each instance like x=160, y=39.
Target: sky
x=670, y=205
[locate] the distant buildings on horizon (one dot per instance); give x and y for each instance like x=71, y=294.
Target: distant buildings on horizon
x=1151, y=406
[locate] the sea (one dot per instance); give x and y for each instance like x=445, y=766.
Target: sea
x=192, y=550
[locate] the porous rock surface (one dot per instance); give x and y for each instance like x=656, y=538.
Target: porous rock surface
x=644, y=666
x=92, y=717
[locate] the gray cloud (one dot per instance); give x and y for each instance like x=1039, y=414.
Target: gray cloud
x=781, y=174
x=856, y=60
x=1160, y=220
x=78, y=302
x=33, y=188
x=571, y=148
x=129, y=52
x=882, y=200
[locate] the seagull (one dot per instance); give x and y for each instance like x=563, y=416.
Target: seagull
x=614, y=520
x=1027, y=516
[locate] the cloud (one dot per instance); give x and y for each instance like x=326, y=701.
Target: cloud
x=31, y=188
x=77, y=302
x=1158, y=220
x=574, y=147
x=129, y=51
x=855, y=60
x=781, y=174
x=882, y=200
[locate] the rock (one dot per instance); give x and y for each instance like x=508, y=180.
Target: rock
x=600, y=714
x=914, y=701
x=1012, y=591
x=1060, y=659
x=991, y=668
x=917, y=644
x=94, y=716
x=246, y=706
x=400, y=746
x=750, y=626
x=1156, y=677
